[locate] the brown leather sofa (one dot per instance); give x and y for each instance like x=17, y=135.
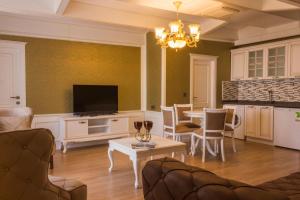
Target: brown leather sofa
x=169, y=179
x=24, y=158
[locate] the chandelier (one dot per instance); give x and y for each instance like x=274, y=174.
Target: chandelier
x=176, y=37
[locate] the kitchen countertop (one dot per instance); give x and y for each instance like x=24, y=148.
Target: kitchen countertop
x=280, y=104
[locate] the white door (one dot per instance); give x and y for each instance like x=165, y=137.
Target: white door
x=12, y=74
x=201, y=83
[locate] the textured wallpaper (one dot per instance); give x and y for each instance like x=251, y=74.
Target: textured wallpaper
x=53, y=66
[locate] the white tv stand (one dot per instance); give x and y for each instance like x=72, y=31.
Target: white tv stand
x=91, y=128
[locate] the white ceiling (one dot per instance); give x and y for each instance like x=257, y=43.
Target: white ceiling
x=219, y=19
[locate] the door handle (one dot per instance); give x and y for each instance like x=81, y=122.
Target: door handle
x=15, y=97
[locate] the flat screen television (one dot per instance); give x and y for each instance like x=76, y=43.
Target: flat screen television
x=95, y=99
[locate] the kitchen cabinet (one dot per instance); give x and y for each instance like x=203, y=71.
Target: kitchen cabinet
x=266, y=122
x=276, y=62
x=259, y=122
x=294, y=59
x=271, y=60
x=286, y=128
x=251, y=121
x=255, y=64
x=238, y=65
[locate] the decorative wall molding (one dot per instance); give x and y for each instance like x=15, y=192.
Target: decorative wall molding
x=163, y=94
x=63, y=28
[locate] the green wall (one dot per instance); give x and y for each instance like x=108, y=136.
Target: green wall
x=153, y=73
x=53, y=66
x=178, y=69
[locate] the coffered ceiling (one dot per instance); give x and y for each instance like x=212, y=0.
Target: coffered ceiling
x=219, y=19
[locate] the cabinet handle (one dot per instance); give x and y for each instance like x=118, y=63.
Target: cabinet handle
x=16, y=97
x=81, y=122
x=250, y=106
x=114, y=120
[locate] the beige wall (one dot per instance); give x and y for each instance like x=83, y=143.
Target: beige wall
x=153, y=73
x=53, y=66
x=178, y=69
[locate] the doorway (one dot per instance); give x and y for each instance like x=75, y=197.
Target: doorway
x=203, y=78
x=12, y=74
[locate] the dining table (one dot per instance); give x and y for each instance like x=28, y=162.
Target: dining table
x=199, y=114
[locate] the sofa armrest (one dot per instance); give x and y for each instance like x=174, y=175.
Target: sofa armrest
x=170, y=179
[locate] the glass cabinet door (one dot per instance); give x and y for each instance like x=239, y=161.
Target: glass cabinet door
x=276, y=62
x=255, y=64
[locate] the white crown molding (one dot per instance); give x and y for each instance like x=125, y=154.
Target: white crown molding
x=253, y=35
x=63, y=28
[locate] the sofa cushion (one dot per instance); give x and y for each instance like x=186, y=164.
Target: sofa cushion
x=170, y=179
x=290, y=185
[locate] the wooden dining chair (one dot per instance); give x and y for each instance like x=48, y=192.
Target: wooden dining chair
x=170, y=129
x=231, y=123
x=181, y=118
x=213, y=129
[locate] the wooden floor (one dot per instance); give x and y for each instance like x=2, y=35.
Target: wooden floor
x=253, y=164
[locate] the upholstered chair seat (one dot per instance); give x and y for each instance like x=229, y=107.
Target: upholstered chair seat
x=181, y=128
x=228, y=128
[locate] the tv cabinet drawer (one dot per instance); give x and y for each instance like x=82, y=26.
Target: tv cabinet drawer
x=77, y=129
x=119, y=125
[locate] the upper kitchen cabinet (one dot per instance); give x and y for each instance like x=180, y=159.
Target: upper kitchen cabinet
x=294, y=57
x=265, y=61
x=276, y=64
x=255, y=64
x=238, y=65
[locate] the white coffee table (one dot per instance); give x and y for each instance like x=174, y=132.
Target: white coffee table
x=137, y=156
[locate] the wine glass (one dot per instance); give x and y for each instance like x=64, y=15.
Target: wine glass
x=148, y=125
x=138, y=126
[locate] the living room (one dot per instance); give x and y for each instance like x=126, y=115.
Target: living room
x=121, y=97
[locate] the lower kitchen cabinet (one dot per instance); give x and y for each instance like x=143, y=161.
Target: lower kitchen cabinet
x=259, y=122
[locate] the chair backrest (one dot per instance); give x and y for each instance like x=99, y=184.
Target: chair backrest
x=232, y=118
x=168, y=117
x=180, y=117
x=24, y=162
x=15, y=118
x=214, y=120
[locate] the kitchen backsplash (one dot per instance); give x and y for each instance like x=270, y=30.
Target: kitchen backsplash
x=287, y=90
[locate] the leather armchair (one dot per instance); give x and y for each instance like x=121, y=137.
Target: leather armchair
x=24, y=158
x=169, y=179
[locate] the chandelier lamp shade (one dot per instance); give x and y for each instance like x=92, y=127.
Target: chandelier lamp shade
x=176, y=37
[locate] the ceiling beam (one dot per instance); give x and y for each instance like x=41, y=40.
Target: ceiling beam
x=61, y=6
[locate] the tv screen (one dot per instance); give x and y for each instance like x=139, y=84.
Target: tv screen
x=95, y=99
